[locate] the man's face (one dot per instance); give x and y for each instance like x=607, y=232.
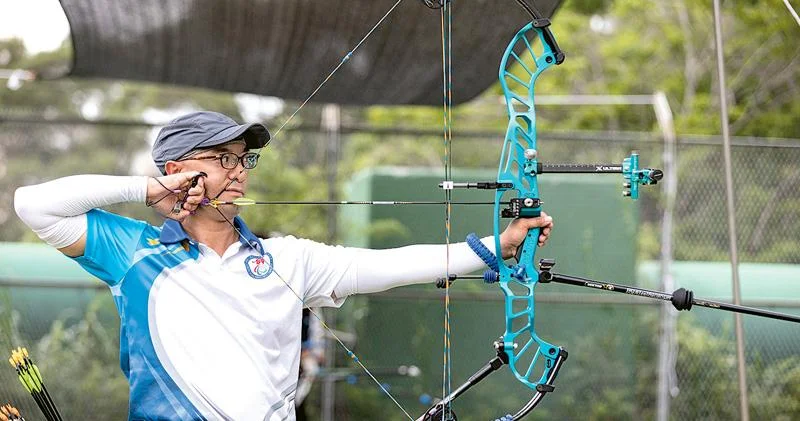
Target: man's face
x=228, y=183
x=226, y=176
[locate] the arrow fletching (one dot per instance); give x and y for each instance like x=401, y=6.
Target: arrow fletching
x=243, y=201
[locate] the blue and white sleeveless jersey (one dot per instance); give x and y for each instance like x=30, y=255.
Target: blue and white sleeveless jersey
x=205, y=336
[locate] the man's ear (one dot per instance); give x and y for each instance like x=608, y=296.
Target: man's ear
x=173, y=167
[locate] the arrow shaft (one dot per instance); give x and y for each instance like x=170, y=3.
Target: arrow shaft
x=355, y=202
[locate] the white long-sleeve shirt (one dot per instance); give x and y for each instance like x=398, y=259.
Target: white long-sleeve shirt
x=207, y=336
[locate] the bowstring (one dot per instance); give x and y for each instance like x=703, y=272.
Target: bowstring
x=446, y=23
x=170, y=192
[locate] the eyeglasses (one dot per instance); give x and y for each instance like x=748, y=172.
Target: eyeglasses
x=230, y=160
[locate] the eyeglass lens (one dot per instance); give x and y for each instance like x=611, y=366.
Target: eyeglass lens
x=230, y=160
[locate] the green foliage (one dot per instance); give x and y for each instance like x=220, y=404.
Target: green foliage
x=599, y=378
x=589, y=7
x=643, y=46
x=9, y=335
x=280, y=176
x=80, y=363
x=640, y=47
x=385, y=229
x=706, y=389
x=11, y=390
x=776, y=389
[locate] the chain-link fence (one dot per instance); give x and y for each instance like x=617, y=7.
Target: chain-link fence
x=612, y=371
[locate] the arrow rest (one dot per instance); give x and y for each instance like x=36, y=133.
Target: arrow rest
x=526, y=207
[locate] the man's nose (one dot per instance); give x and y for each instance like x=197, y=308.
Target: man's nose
x=239, y=173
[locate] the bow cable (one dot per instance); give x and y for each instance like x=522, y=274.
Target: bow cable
x=344, y=60
x=447, y=116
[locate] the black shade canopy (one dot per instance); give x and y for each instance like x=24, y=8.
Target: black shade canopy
x=285, y=48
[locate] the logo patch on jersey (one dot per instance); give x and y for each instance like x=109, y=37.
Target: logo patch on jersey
x=259, y=267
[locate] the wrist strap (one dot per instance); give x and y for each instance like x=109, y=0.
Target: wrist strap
x=482, y=251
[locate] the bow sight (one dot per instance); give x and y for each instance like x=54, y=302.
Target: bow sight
x=528, y=207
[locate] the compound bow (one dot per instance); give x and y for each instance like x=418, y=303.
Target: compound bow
x=520, y=347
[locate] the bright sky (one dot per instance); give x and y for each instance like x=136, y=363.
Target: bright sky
x=40, y=23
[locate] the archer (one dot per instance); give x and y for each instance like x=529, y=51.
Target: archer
x=211, y=313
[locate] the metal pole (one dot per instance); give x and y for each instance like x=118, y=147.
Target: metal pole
x=331, y=123
x=723, y=105
x=668, y=344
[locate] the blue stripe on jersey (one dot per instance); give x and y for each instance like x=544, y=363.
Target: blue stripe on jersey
x=128, y=256
x=153, y=391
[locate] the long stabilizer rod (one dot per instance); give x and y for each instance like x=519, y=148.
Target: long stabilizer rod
x=681, y=299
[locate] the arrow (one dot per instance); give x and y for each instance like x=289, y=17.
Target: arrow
x=243, y=201
x=31, y=378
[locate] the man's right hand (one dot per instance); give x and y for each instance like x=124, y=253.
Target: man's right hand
x=174, y=196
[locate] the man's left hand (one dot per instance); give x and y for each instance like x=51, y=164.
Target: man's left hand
x=515, y=233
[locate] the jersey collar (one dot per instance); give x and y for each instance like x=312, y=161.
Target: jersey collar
x=172, y=232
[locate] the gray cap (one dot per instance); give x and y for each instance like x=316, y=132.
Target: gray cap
x=203, y=129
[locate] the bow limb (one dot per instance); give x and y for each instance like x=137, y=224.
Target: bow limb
x=534, y=362
x=518, y=168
